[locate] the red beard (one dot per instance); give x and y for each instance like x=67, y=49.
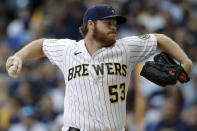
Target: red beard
x=105, y=39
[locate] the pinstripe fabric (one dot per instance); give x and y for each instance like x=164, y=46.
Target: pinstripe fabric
x=97, y=85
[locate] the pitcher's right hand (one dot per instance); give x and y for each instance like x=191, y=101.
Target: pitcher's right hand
x=14, y=66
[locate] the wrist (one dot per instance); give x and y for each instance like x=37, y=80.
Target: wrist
x=187, y=65
x=20, y=56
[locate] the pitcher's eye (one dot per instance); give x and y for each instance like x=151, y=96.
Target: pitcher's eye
x=110, y=23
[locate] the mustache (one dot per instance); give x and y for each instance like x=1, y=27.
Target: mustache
x=112, y=32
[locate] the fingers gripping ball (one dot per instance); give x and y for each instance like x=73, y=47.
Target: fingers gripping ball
x=13, y=66
x=12, y=72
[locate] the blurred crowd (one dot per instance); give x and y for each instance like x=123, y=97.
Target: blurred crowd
x=34, y=100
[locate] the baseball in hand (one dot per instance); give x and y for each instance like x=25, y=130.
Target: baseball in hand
x=12, y=72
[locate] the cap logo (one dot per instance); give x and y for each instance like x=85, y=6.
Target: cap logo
x=111, y=9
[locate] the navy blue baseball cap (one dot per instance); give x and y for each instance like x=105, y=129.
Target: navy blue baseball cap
x=100, y=12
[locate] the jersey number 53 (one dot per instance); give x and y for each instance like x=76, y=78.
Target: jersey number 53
x=116, y=92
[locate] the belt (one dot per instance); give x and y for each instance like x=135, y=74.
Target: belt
x=75, y=129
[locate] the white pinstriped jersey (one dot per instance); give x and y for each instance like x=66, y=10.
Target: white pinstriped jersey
x=97, y=85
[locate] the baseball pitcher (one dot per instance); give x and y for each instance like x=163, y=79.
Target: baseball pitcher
x=97, y=69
